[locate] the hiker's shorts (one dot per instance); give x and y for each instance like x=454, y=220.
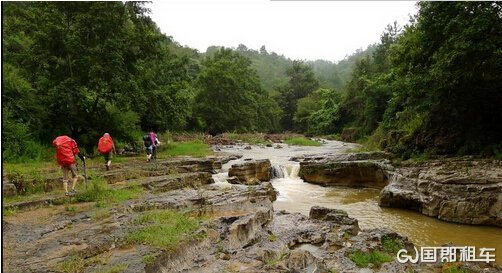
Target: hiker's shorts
x=149, y=150
x=107, y=156
x=67, y=169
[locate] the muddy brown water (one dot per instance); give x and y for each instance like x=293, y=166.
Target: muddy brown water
x=297, y=196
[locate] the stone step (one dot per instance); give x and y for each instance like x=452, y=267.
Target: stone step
x=176, y=181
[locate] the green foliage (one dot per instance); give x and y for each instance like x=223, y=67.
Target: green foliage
x=231, y=97
x=323, y=118
x=100, y=214
x=302, y=82
x=455, y=269
x=277, y=258
x=375, y=257
x=193, y=148
x=77, y=264
x=8, y=211
x=70, y=208
x=250, y=138
x=149, y=258
x=115, y=269
x=84, y=68
x=100, y=192
x=18, y=143
x=301, y=141
x=443, y=104
x=430, y=87
x=270, y=67
x=73, y=264
x=392, y=245
x=162, y=228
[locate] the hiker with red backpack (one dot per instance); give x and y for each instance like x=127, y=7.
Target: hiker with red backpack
x=66, y=149
x=106, y=147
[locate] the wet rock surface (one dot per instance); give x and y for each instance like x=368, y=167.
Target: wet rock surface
x=250, y=173
x=461, y=190
x=240, y=233
x=354, y=170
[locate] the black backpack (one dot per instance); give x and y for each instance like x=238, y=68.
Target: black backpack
x=147, y=141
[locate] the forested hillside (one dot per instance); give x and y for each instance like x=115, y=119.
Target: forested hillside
x=433, y=87
x=84, y=68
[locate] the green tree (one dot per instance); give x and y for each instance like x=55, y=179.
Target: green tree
x=301, y=83
x=230, y=94
x=83, y=68
x=450, y=60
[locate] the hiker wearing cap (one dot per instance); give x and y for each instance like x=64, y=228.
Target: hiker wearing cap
x=106, y=147
x=66, y=149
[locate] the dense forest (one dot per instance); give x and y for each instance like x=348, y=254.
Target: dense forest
x=83, y=68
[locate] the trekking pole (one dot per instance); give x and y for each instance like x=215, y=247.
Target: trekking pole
x=85, y=174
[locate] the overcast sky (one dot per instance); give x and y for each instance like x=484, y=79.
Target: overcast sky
x=306, y=30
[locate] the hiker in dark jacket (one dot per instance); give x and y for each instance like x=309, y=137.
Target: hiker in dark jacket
x=151, y=142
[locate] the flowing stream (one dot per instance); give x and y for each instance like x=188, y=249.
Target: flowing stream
x=297, y=196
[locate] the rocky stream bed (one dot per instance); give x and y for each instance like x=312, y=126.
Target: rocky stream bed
x=240, y=231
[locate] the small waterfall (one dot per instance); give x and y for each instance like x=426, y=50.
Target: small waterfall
x=295, y=169
x=289, y=171
x=277, y=171
x=220, y=178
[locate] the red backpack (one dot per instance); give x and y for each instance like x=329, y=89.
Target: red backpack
x=105, y=144
x=66, y=149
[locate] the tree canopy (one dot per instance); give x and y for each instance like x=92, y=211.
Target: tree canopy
x=85, y=68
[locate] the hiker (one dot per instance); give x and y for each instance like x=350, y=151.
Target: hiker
x=156, y=143
x=106, y=147
x=66, y=149
x=151, y=142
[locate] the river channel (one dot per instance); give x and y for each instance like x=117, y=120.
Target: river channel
x=295, y=195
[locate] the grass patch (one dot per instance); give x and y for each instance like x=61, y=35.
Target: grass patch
x=74, y=264
x=363, y=259
x=77, y=264
x=8, y=211
x=115, y=269
x=70, y=208
x=149, y=258
x=100, y=214
x=29, y=178
x=100, y=192
x=302, y=141
x=194, y=148
x=392, y=245
x=273, y=261
x=454, y=269
x=24, y=198
x=163, y=228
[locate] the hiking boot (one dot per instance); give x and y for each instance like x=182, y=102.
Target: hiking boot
x=107, y=167
x=67, y=194
x=74, y=191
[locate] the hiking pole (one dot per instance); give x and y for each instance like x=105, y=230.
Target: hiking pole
x=85, y=174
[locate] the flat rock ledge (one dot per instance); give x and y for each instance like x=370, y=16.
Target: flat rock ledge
x=242, y=233
x=250, y=173
x=354, y=170
x=461, y=189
